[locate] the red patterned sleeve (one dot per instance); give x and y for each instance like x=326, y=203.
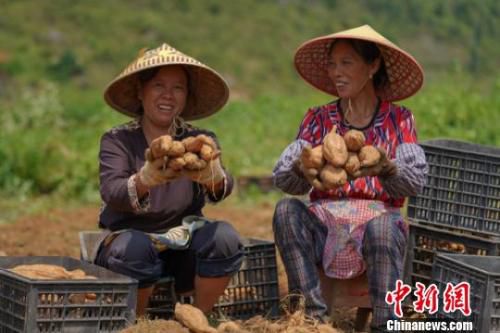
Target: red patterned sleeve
x=408, y=132
x=310, y=128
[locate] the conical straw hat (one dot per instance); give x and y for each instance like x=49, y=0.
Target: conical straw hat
x=404, y=72
x=208, y=90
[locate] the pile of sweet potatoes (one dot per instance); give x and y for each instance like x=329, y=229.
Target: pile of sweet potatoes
x=192, y=153
x=50, y=272
x=338, y=159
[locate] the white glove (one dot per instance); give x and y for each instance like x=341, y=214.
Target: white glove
x=212, y=174
x=154, y=173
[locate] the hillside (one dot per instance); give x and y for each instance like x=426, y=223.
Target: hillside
x=57, y=56
x=250, y=42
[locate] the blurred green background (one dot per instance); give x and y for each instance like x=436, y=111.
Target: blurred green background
x=57, y=56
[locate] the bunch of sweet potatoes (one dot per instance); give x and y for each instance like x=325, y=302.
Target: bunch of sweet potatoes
x=192, y=153
x=338, y=159
x=50, y=272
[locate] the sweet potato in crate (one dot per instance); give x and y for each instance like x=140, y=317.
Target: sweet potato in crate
x=483, y=275
x=459, y=208
x=104, y=304
x=425, y=241
x=252, y=291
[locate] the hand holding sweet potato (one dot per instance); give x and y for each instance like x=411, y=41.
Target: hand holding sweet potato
x=312, y=157
x=168, y=159
x=384, y=167
x=340, y=159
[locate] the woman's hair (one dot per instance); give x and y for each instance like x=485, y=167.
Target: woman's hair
x=145, y=76
x=369, y=52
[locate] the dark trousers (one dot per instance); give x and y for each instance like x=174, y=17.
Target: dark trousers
x=215, y=251
x=300, y=237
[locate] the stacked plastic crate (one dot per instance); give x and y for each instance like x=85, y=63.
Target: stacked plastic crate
x=459, y=209
x=483, y=276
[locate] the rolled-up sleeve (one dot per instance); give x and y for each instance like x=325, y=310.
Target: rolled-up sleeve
x=411, y=172
x=114, y=173
x=285, y=176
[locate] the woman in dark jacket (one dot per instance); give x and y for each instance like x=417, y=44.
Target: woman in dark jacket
x=143, y=204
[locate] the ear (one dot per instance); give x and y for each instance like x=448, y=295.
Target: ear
x=374, y=67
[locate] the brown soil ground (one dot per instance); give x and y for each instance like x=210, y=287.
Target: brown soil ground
x=56, y=233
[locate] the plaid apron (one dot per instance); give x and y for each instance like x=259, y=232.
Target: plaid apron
x=346, y=221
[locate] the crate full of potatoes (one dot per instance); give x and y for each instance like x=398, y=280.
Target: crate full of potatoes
x=62, y=294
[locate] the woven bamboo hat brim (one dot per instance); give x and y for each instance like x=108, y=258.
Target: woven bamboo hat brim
x=404, y=72
x=208, y=91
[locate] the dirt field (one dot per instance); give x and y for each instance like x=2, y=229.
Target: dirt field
x=56, y=233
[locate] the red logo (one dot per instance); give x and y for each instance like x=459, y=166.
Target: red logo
x=427, y=298
x=397, y=296
x=457, y=298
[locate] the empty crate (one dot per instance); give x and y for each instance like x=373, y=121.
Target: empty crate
x=105, y=304
x=462, y=190
x=483, y=275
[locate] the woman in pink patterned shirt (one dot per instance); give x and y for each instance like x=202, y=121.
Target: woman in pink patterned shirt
x=358, y=227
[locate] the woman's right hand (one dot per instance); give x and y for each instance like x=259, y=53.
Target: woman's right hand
x=155, y=172
x=310, y=174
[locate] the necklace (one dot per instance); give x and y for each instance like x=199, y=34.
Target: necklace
x=350, y=111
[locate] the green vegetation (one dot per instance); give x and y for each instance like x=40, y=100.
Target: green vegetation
x=56, y=58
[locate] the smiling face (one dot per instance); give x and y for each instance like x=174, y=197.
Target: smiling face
x=349, y=72
x=164, y=96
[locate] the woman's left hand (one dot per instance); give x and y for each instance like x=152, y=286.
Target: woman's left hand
x=211, y=175
x=385, y=167
x=154, y=173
